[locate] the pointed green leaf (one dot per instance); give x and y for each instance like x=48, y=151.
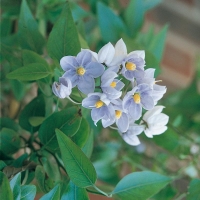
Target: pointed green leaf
x=5, y=190
x=158, y=43
x=110, y=29
x=67, y=120
x=30, y=72
x=18, y=89
x=54, y=194
x=2, y=165
x=32, y=57
x=88, y=147
x=193, y=191
x=28, y=192
x=140, y=185
x=9, y=141
x=82, y=134
x=75, y=193
x=134, y=16
x=15, y=185
x=29, y=36
x=40, y=177
x=36, y=121
x=63, y=39
x=6, y=122
x=78, y=166
x=36, y=108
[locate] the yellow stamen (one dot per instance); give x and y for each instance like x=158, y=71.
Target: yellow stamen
x=118, y=114
x=113, y=84
x=80, y=71
x=130, y=66
x=136, y=98
x=99, y=104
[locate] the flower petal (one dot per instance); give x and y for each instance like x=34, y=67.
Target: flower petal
x=84, y=57
x=90, y=101
x=94, y=69
x=98, y=113
x=123, y=123
x=147, y=102
x=131, y=139
x=68, y=62
x=156, y=110
x=86, y=84
x=106, y=54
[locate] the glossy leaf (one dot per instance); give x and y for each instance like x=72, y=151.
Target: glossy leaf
x=140, y=185
x=63, y=39
x=40, y=177
x=29, y=36
x=28, y=192
x=31, y=72
x=18, y=89
x=67, y=120
x=15, y=185
x=32, y=57
x=5, y=190
x=75, y=193
x=193, y=191
x=9, y=142
x=2, y=165
x=6, y=122
x=88, y=147
x=82, y=134
x=36, y=108
x=77, y=165
x=110, y=29
x=134, y=16
x=54, y=194
x=36, y=121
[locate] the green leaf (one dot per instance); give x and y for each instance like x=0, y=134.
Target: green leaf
x=29, y=72
x=30, y=57
x=40, y=177
x=88, y=147
x=9, y=142
x=2, y=165
x=54, y=194
x=28, y=192
x=63, y=39
x=150, y=4
x=5, y=190
x=67, y=120
x=36, y=108
x=158, y=43
x=78, y=166
x=29, y=36
x=6, y=122
x=36, y=121
x=134, y=16
x=15, y=185
x=193, y=191
x=50, y=166
x=18, y=89
x=140, y=185
x=82, y=134
x=111, y=25
x=75, y=193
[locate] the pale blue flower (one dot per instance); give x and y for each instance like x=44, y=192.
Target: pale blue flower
x=62, y=89
x=111, y=86
x=157, y=90
x=81, y=70
x=131, y=135
x=138, y=97
x=101, y=107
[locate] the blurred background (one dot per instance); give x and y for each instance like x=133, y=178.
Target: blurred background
x=169, y=32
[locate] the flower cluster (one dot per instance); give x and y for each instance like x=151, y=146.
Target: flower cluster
x=124, y=92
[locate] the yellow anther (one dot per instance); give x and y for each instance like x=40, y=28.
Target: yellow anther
x=130, y=66
x=113, y=84
x=136, y=98
x=99, y=104
x=80, y=71
x=118, y=114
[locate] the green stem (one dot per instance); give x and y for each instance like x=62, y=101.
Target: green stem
x=102, y=192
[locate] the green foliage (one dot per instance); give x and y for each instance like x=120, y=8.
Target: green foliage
x=28, y=192
x=77, y=165
x=54, y=194
x=67, y=120
x=5, y=190
x=141, y=185
x=15, y=186
x=193, y=191
x=62, y=42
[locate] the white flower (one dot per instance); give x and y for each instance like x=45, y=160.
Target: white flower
x=105, y=54
x=131, y=135
x=155, y=121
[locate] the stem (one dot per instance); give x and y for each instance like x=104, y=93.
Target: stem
x=102, y=192
x=181, y=196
